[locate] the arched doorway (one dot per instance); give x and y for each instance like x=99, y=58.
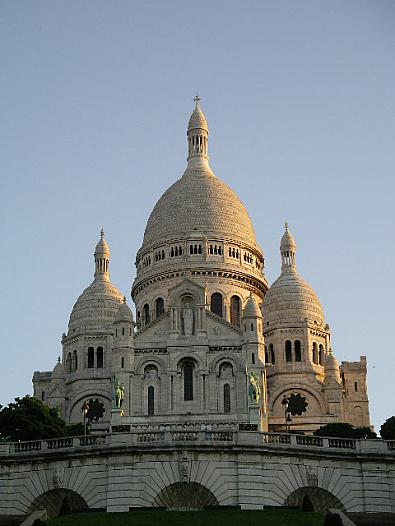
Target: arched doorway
x=311, y=498
x=185, y=496
x=59, y=502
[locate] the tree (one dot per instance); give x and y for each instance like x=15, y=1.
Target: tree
x=344, y=430
x=387, y=430
x=30, y=419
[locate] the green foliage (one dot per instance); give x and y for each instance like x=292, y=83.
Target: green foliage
x=387, y=430
x=333, y=519
x=30, y=419
x=344, y=430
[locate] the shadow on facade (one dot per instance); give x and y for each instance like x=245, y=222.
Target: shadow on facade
x=59, y=502
x=185, y=496
x=311, y=498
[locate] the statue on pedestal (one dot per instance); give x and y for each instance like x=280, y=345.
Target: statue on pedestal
x=254, y=390
x=118, y=393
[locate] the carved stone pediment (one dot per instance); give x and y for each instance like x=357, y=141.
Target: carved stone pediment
x=187, y=287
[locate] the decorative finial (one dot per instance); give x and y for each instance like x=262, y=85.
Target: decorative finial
x=196, y=101
x=101, y=234
x=286, y=226
x=124, y=299
x=58, y=359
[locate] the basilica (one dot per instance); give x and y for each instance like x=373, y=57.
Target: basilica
x=212, y=344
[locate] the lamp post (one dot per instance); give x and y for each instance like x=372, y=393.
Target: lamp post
x=288, y=422
x=284, y=403
x=85, y=409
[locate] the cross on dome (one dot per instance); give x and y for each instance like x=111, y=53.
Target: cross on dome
x=102, y=233
x=196, y=100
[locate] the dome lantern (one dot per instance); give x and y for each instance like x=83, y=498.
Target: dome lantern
x=102, y=259
x=288, y=250
x=197, y=137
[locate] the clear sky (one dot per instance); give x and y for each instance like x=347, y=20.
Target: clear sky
x=94, y=101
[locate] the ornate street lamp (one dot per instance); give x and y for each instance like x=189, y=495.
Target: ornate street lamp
x=85, y=409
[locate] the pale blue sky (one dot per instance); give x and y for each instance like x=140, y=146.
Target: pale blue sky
x=94, y=102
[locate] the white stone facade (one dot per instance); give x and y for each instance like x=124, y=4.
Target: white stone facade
x=207, y=326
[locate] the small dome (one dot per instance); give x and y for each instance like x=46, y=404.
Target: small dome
x=124, y=314
x=97, y=306
x=58, y=372
x=291, y=299
x=331, y=368
x=331, y=362
x=102, y=247
x=252, y=310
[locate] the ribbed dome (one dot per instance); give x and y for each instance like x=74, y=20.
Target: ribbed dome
x=96, y=307
x=291, y=299
x=199, y=203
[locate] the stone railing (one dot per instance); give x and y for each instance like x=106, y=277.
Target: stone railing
x=197, y=435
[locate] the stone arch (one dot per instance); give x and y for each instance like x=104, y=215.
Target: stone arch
x=157, y=361
x=313, y=498
x=79, y=400
x=225, y=357
x=185, y=496
x=278, y=393
x=187, y=355
x=59, y=501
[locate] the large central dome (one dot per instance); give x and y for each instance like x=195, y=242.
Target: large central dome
x=201, y=203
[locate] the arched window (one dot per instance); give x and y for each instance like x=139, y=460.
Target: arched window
x=226, y=398
x=298, y=352
x=235, y=309
x=188, y=381
x=315, y=353
x=216, y=304
x=91, y=357
x=159, y=307
x=266, y=356
x=68, y=364
x=321, y=355
x=272, y=355
x=75, y=360
x=146, y=314
x=151, y=401
x=122, y=362
x=288, y=351
x=99, y=357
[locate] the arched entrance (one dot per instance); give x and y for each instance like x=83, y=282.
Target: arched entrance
x=59, y=502
x=185, y=496
x=311, y=498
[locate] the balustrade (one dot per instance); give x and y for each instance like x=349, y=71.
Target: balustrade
x=197, y=434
